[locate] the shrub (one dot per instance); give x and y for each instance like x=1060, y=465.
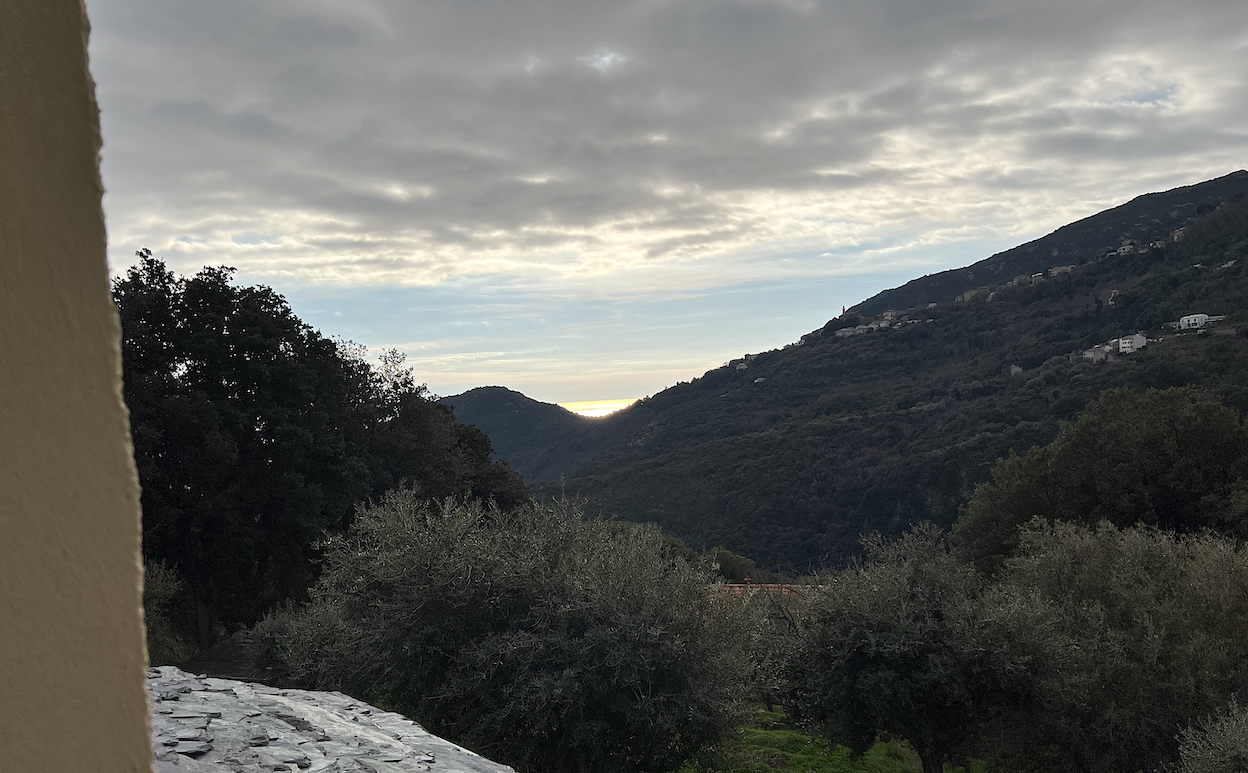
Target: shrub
x=1162, y=620
x=535, y=637
x=1217, y=745
x=915, y=644
x=166, y=601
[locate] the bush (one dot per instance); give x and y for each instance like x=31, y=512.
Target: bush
x=1217, y=745
x=1162, y=620
x=915, y=644
x=535, y=637
x=166, y=605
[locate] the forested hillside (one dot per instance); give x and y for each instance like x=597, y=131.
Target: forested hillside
x=530, y=435
x=790, y=455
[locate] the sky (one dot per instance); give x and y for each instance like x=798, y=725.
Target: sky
x=590, y=200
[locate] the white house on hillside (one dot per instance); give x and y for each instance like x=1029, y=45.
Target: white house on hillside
x=1192, y=321
x=1131, y=343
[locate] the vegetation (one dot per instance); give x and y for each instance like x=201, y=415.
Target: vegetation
x=1175, y=458
x=535, y=637
x=255, y=437
x=879, y=431
x=770, y=741
x=915, y=643
x=1161, y=621
x=1088, y=611
x=1218, y=744
x=1114, y=618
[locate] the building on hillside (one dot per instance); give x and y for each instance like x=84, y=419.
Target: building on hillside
x=1099, y=353
x=1127, y=248
x=1059, y=270
x=890, y=314
x=1193, y=321
x=1131, y=343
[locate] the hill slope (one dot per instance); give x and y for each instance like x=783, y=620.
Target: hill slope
x=1144, y=219
x=789, y=456
x=531, y=435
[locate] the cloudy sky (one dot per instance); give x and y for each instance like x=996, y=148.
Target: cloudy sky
x=588, y=200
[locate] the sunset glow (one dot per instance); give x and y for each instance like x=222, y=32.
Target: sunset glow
x=595, y=408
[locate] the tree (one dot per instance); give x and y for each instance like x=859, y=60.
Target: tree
x=1175, y=458
x=916, y=644
x=535, y=637
x=255, y=436
x=1161, y=622
x=1218, y=744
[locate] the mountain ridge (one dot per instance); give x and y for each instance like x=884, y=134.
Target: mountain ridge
x=789, y=455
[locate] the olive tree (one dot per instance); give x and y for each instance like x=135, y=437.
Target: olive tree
x=916, y=644
x=1218, y=744
x=536, y=637
x=1162, y=622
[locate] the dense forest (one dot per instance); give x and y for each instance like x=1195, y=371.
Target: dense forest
x=789, y=455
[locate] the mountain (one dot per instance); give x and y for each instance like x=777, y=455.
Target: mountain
x=1145, y=219
x=531, y=435
x=788, y=456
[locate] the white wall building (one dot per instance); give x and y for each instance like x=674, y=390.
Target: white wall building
x=1131, y=343
x=1192, y=321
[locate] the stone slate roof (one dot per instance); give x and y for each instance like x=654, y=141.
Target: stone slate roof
x=209, y=725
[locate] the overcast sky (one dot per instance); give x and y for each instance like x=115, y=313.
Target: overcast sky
x=588, y=200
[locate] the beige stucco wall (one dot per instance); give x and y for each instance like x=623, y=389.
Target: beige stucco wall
x=71, y=638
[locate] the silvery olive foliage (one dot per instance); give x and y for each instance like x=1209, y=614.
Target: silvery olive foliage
x=1219, y=744
x=535, y=637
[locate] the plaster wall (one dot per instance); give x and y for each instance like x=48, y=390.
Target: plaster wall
x=72, y=657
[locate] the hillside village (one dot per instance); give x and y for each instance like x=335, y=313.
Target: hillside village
x=892, y=319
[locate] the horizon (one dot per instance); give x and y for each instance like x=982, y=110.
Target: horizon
x=583, y=201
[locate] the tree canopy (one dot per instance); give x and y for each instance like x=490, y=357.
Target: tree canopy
x=536, y=637
x=1174, y=458
x=255, y=436
x=916, y=644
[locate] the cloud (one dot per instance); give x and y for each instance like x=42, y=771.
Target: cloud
x=582, y=144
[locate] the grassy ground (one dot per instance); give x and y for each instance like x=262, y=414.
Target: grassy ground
x=770, y=743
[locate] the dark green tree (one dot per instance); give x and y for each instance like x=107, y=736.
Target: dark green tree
x=914, y=643
x=537, y=638
x=255, y=436
x=1161, y=622
x=1174, y=458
